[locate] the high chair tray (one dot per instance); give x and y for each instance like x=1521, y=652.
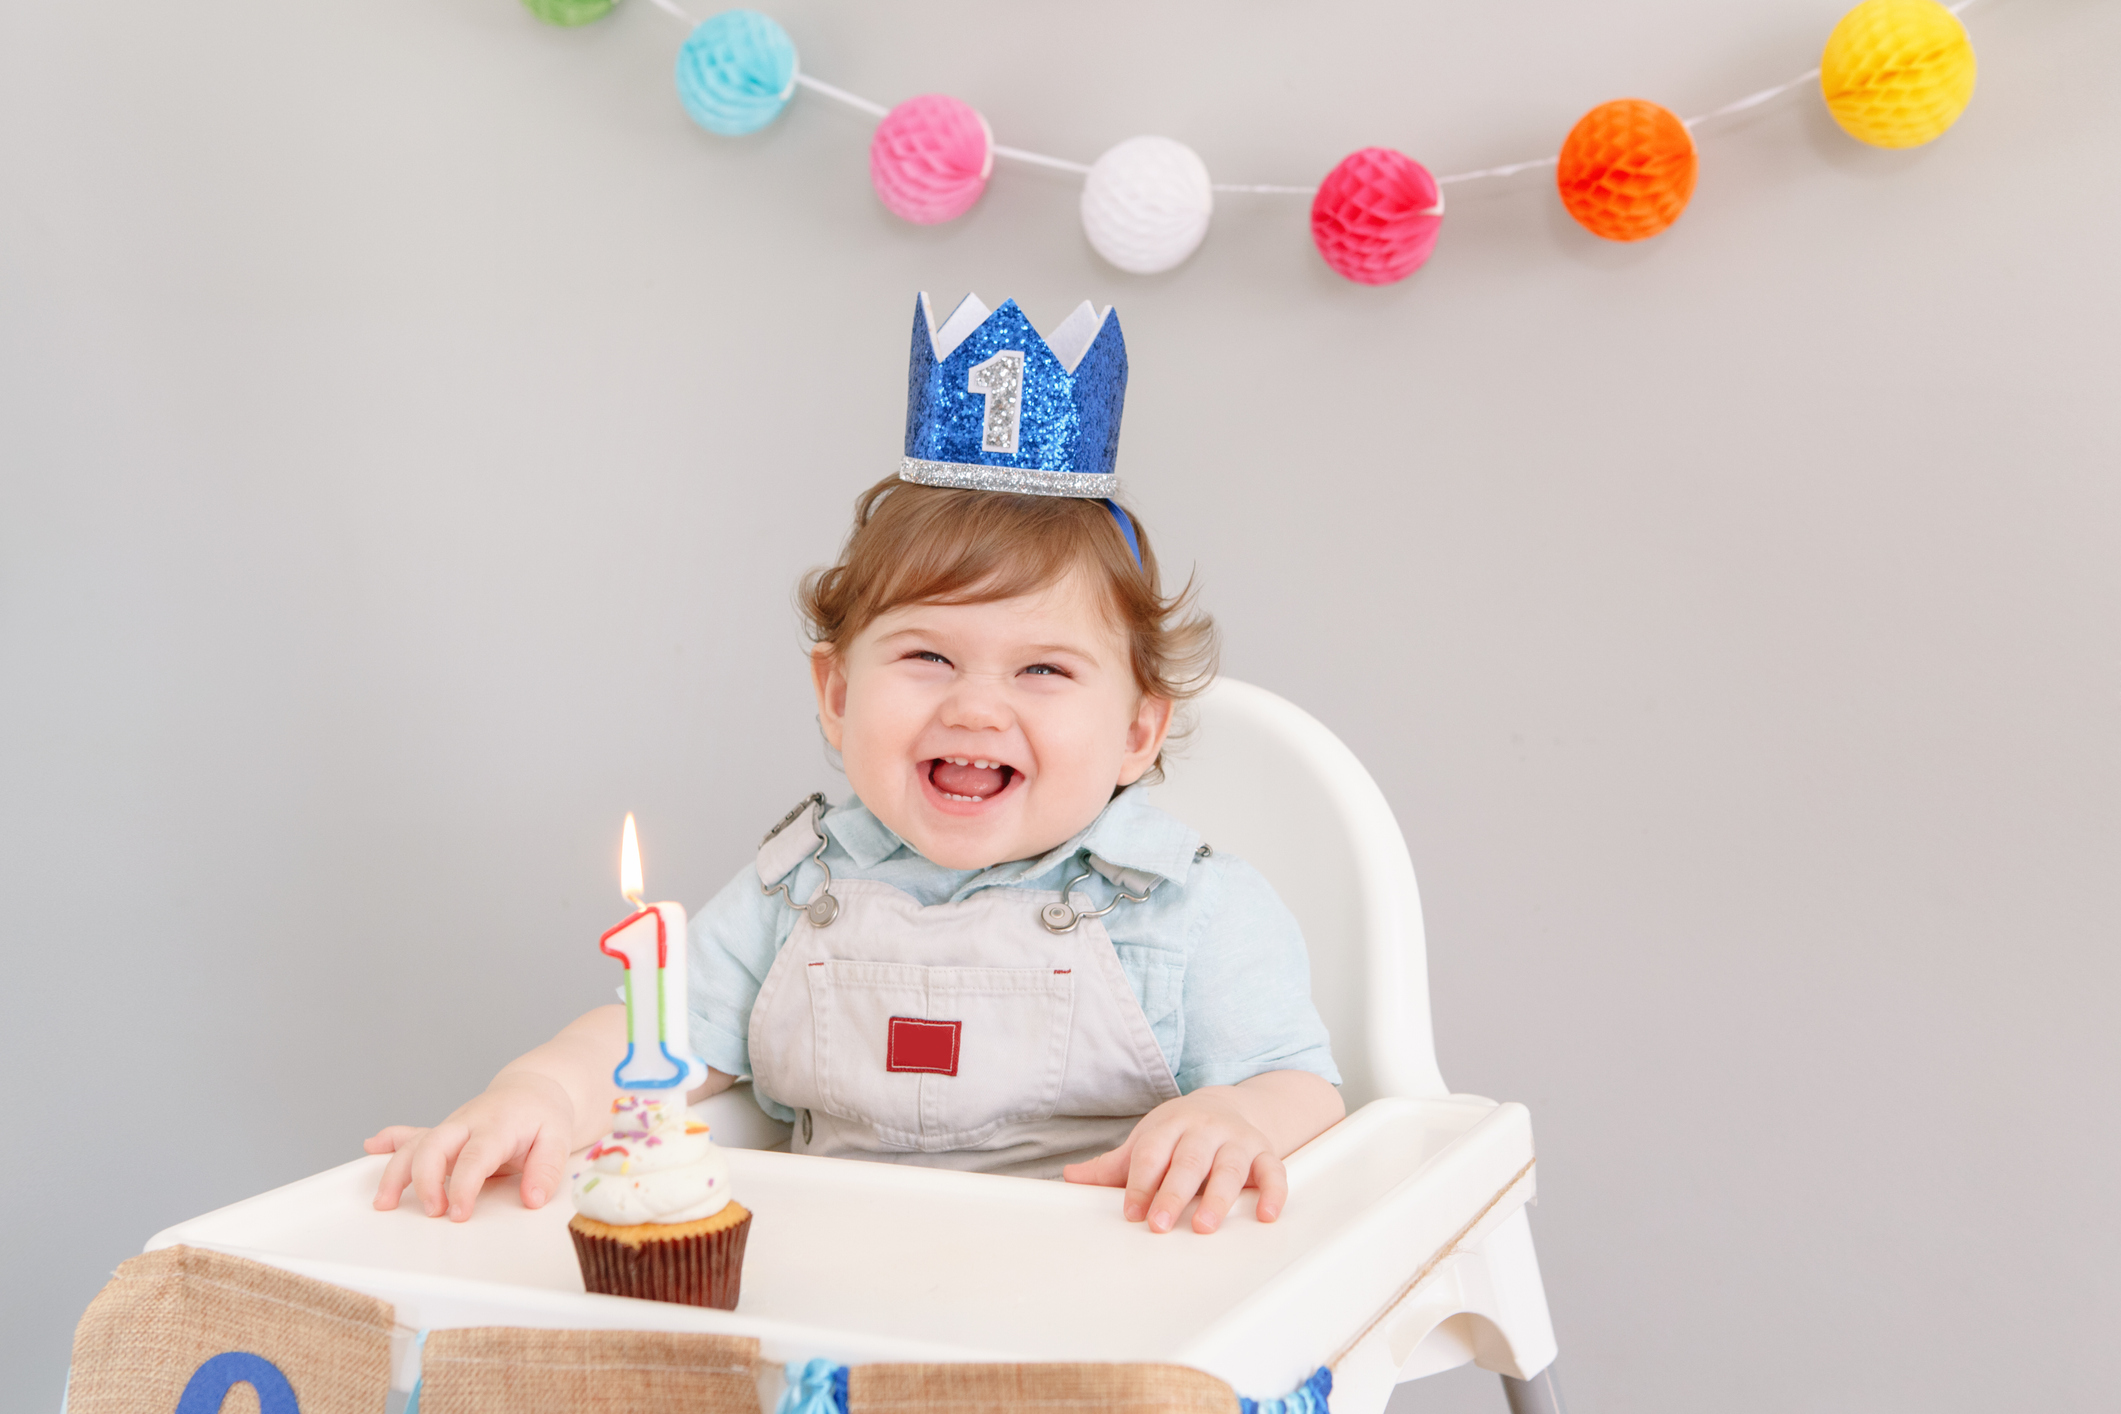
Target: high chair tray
x=862, y=1262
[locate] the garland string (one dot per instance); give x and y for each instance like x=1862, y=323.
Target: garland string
x=839, y=95
x=1062, y=164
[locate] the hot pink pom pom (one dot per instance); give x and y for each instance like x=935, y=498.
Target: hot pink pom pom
x=930, y=158
x=1376, y=216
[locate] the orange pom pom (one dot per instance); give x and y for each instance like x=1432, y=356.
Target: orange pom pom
x=1627, y=170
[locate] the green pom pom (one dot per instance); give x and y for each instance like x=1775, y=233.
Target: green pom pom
x=568, y=12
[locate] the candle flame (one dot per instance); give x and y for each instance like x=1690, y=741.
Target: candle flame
x=630, y=865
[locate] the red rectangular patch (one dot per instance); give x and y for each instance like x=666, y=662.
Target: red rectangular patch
x=925, y=1047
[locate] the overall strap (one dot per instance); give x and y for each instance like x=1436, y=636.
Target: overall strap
x=788, y=844
x=783, y=851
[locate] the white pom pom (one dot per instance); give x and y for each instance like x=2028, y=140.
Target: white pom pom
x=1146, y=204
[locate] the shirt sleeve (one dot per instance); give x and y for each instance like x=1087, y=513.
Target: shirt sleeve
x=734, y=940
x=1247, y=999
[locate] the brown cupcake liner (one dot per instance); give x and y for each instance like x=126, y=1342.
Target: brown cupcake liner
x=695, y=1269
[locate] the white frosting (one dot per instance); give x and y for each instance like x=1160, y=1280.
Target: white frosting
x=656, y=1166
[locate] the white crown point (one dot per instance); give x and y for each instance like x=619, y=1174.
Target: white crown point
x=1076, y=333
x=968, y=315
x=1068, y=342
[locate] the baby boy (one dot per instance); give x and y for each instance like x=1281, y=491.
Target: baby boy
x=995, y=955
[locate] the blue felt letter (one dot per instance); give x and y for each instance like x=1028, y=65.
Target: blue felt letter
x=211, y=1382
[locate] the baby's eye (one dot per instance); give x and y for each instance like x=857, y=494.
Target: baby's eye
x=1046, y=670
x=927, y=657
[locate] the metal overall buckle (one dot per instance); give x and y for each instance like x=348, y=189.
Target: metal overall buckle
x=824, y=906
x=1062, y=915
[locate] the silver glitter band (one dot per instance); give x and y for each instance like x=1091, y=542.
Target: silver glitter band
x=1024, y=480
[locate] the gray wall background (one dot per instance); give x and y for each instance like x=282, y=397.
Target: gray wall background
x=411, y=429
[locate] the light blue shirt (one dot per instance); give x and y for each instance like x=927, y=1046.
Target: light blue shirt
x=1214, y=957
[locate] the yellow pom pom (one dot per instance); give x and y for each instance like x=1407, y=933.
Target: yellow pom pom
x=1897, y=73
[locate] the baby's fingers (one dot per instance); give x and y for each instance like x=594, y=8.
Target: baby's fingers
x=1189, y=1165
x=1272, y=1179
x=1226, y=1179
x=1145, y=1170
x=391, y=1138
x=431, y=1161
x=483, y=1153
x=398, y=1172
x=1107, y=1170
x=542, y=1168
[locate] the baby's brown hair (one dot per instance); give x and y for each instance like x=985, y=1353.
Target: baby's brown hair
x=915, y=544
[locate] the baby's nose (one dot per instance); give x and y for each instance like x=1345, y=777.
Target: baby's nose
x=977, y=705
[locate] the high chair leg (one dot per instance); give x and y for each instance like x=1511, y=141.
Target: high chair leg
x=1538, y=1395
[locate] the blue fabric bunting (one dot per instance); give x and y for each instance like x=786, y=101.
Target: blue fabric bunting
x=1308, y=1398
x=820, y=1387
x=814, y=1387
x=412, y=1401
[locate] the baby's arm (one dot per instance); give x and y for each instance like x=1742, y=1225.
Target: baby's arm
x=542, y=1106
x=1256, y=1071
x=1220, y=1136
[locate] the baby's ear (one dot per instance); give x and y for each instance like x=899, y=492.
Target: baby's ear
x=828, y=675
x=1145, y=737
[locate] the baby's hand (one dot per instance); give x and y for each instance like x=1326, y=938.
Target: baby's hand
x=1202, y=1137
x=520, y=1123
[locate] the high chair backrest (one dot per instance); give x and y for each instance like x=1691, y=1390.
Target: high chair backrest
x=1265, y=780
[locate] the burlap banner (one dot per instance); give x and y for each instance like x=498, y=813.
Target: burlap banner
x=176, y=1330
x=1006, y=1389
x=502, y=1370
x=180, y=1330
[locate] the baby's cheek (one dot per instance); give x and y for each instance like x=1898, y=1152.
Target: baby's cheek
x=865, y=755
x=1088, y=762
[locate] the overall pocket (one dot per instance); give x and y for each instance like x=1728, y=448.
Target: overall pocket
x=938, y=1058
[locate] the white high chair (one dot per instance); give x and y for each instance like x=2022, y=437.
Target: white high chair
x=1265, y=780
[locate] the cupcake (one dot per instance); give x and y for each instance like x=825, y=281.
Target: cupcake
x=653, y=1213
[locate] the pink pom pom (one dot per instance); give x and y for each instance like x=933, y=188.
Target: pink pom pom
x=930, y=158
x=1376, y=216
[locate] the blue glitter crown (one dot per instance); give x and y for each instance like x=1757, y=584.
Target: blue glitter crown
x=991, y=405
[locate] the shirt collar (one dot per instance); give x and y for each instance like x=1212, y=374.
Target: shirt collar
x=1134, y=834
x=1129, y=832
x=867, y=840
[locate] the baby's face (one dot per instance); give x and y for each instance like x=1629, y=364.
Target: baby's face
x=981, y=733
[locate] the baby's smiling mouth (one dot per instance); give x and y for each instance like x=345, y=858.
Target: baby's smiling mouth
x=969, y=778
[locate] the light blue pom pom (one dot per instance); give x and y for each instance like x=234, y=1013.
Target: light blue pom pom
x=735, y=72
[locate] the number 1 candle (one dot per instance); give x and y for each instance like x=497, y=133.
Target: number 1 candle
x=659, y=1057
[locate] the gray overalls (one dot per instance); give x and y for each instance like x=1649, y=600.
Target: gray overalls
x=996, y=1033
